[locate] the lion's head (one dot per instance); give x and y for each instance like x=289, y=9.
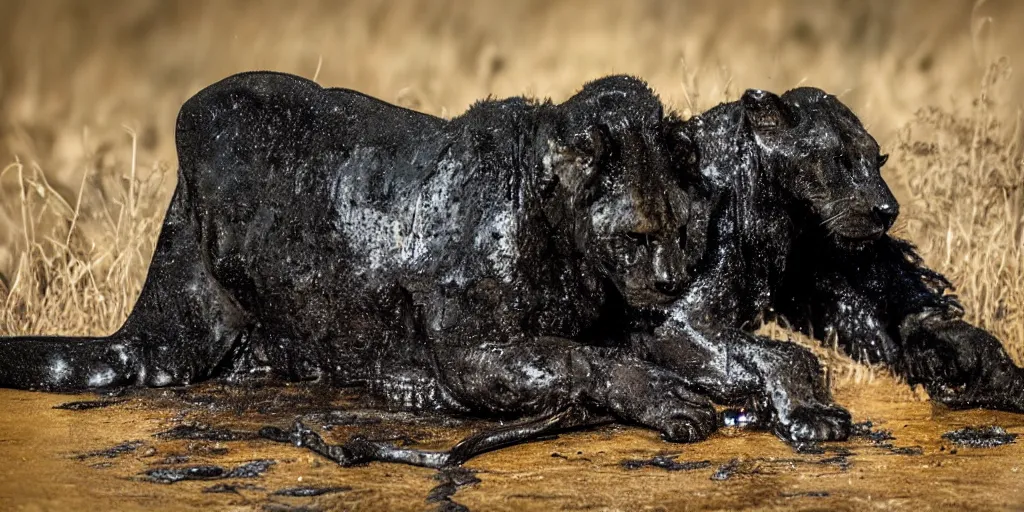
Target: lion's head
x=818, y=154
x=612, y=160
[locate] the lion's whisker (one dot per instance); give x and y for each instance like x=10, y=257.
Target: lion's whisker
x=834, y=201
x=835, y=218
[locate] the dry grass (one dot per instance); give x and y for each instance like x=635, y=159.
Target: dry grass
x=89, y=91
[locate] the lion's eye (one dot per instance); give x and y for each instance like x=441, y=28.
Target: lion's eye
x=882, y=159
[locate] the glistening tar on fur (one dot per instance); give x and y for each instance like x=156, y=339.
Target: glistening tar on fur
x=560, y=264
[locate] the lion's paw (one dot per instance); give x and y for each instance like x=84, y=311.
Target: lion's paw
x=813, y=423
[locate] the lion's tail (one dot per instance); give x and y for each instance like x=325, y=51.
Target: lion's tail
x=54, y=363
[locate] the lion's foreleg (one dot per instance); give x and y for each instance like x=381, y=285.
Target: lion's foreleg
x=538, y=376
x=784, y=381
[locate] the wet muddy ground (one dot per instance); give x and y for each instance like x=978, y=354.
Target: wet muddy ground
x=182, y=449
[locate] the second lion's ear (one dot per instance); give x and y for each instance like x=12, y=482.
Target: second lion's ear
x=764, y=110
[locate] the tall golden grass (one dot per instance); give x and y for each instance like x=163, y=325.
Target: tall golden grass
x=89, y=91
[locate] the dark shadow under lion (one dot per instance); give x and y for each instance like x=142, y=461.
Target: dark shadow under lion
x=555, y=265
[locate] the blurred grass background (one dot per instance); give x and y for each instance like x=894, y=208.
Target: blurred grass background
x=89, y=91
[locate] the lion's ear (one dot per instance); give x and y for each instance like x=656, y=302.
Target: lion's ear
x=764, y=110
x=574, y=164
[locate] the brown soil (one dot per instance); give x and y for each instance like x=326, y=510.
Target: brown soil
x=51, y=464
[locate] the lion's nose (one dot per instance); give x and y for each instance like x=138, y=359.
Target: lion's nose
x=886, y=213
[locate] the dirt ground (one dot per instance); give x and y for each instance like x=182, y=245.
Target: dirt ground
x=55, y=460
x=88, y=96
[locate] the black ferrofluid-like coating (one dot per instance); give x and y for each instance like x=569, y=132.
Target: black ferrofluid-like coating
x=491, y=264
x=449, y=481
x=666, y=462
x=204, y=432
x=794, y=214
x=112, y=452
x=980, y=437
x=305, y=492
x=86, y=405
x=170, y=475
x=173, y=475
x=564, y=264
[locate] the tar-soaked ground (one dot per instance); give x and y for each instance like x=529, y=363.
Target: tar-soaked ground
x=184, y=449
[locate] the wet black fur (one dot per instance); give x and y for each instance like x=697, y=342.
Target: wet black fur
x=489, y=264
x=528, y=259
x=796, y=214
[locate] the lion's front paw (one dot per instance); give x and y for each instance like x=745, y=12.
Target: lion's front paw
x=814, y=422
x=684, y=417
x=660, y=401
